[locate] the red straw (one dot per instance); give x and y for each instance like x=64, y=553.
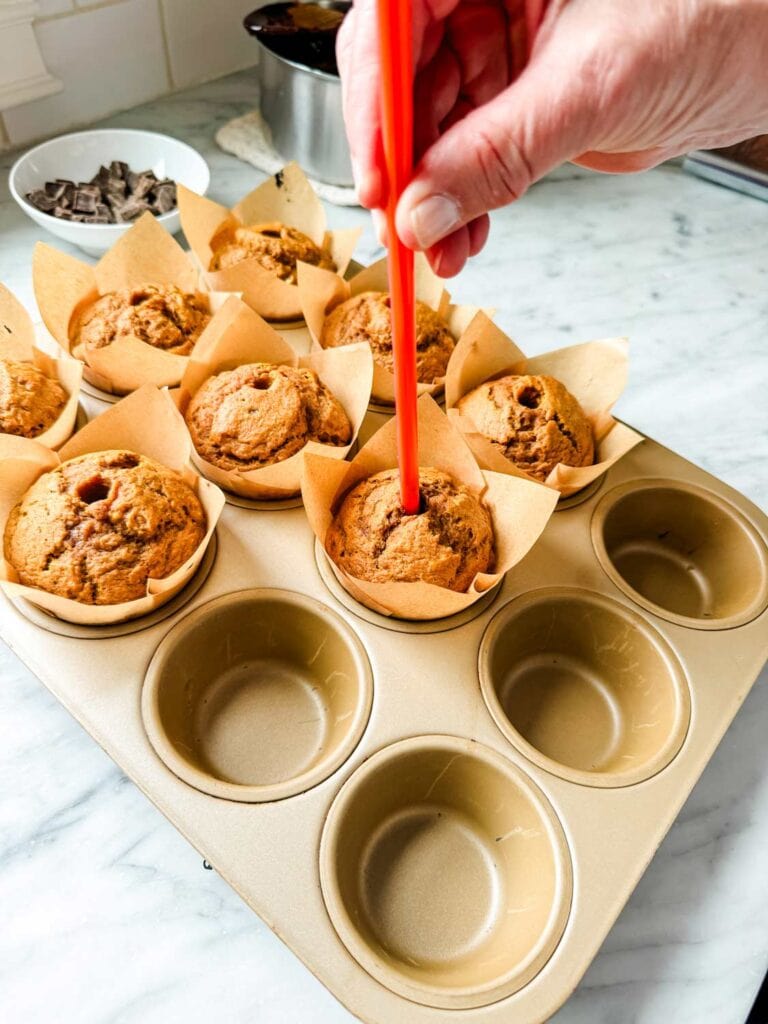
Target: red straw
x=396, y=48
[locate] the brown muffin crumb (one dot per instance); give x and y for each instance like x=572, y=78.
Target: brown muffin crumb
x=160, y=315
x=366, y=317
x=30, y=402
x=534, y=421
x=277, y=248
x=97, y=527
x=259, y=414
x=448, y=543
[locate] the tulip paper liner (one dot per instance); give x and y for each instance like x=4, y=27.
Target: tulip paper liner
x=147, y=422
x=145, y=254
x=519, y=511
x=287, y=198
x=17, y=337
x=238, y=335
x=322, y=290
x=595, y=373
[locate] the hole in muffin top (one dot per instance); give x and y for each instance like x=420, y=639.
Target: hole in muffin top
x=92, y=490
x=529, y=396
x=123, y=460
x=261, y=383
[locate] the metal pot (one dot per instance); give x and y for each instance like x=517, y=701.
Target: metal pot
x=302, y=107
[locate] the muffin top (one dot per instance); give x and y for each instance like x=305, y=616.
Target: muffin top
x=367, y=317
x=276, y=246
x=259, y=414
x=97, y=527
x=447, y=543
x=30, y=402
x=161, y=315
x=533, y=420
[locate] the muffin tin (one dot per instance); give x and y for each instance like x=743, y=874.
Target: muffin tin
x=442, y=819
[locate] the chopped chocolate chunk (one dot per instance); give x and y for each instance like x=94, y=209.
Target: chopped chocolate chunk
x=164, y=196
x=86, y=199
x=55, y=189
x=116, y=186
x=101, y=177
x=115, y=194
x=145, y=182
x=41, y=200
x=131, y=209
x=118, y=169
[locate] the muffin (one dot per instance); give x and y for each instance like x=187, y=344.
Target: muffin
x=30, y=402
x=366, y=317
x=447, y=543
x=97, y=527
x=533, y=421
x=276, y=247
x=259, y=414
x=160, y=315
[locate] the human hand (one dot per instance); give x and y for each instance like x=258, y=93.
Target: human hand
x=615, y=85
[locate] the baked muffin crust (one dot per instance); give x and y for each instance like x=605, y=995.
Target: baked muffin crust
x=97, y=527
x=366, y=317
x=447, y=543
x=160, y=315
x=276, y=246
x=534, y=421
x=30, y=402
x=259, y=414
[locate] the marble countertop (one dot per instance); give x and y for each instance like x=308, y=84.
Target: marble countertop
x=108, y=915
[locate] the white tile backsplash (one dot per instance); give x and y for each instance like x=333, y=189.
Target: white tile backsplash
x=48, y=7
x=108, y=58
x=114, y=54
x=206, y=40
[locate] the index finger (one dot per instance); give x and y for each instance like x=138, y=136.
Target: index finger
x=357, y=53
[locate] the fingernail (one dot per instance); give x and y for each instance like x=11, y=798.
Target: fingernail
x=434, y=218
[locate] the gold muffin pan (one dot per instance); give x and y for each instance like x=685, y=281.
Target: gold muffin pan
x=442, y=820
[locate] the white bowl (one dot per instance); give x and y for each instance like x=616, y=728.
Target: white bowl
x=78, y=157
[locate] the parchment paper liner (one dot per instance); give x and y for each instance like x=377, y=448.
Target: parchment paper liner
x=519, y=510
x=238, y=335
x=595, y=373
x=147, y=422
x=294, y=203
x=145, y=254
x=322, y=290
x=17, y=341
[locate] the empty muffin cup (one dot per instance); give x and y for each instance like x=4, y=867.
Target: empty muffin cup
x=257, y=695
x=446, y=872
x=584, y=687
x=682, y=552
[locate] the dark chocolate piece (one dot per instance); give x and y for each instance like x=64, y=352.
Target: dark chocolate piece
x=145, y=182
x=131, y=209
x=164, y=196
x=41, y=200
x=86, y=199
x=119, y=169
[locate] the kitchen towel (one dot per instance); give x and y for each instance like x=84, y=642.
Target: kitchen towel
x=248, y=137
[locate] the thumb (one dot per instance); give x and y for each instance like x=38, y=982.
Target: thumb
x=491, y=156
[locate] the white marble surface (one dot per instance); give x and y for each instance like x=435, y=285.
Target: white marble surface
x=107, y=914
